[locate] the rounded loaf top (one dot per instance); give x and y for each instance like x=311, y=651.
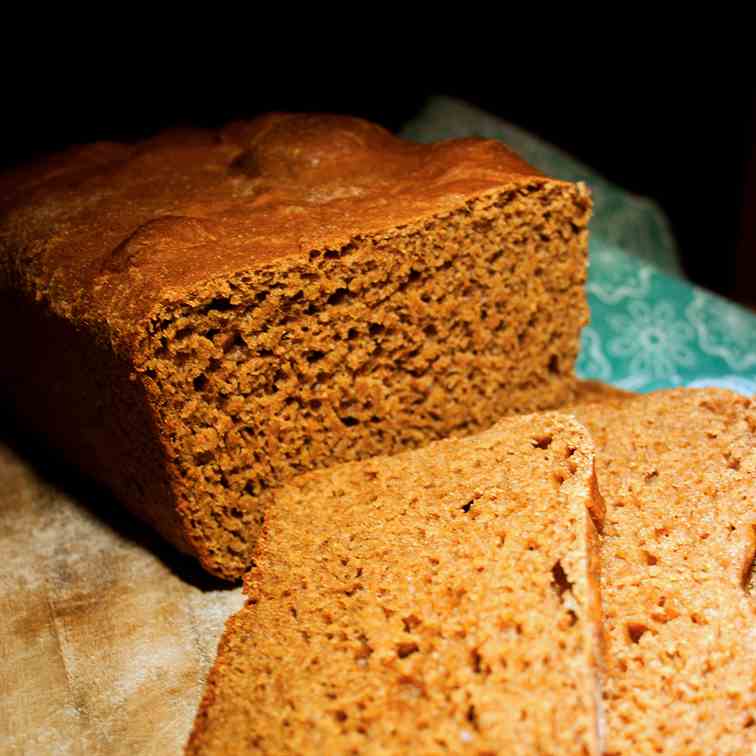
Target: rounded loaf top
x=305, y=150
x=107, y=232
x=298, y=146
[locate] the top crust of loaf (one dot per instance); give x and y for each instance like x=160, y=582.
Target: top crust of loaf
x=106, y=233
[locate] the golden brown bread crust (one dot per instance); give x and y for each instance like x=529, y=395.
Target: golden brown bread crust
x=108, y=233
x=444, y=600
x=102, y=245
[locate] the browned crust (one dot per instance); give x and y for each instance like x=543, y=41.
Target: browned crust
x=106, y=234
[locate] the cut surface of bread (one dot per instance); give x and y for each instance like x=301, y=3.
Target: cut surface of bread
x=208, y=314
x=677, y=470
x=444, y=600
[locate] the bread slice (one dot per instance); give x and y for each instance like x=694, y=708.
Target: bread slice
x=208, y=314
x=444, y=600
x=678, y=472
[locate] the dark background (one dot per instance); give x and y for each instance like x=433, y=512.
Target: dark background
x=688, y=145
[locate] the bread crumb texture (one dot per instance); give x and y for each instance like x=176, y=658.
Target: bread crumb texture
x=444, y=600
x=279, y=296
x=678, y=472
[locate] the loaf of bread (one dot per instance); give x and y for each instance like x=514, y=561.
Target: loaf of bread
x=195, y=319
x=677, y=470
x=444, y=600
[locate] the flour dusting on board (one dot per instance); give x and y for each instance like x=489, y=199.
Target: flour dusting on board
x=110, y=639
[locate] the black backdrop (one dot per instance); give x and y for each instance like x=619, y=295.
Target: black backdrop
x=688, y=145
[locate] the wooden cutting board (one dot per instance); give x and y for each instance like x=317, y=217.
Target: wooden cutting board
x=106, y=633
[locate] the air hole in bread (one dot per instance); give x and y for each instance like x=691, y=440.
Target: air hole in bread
x=483, y=225
x=650, y=558
x=338, y=296
x=219, y=304
x=364, y=650
x=475, y=661
x=542, y=442
x=315, y=355
x=733, y=462
x=466, y=508
x=635, y=631
x=472, y=717
x=560, y=583
x=748, y=581
x=236, y=341
x=405, y=649
x=410, y=622
x=356, y=587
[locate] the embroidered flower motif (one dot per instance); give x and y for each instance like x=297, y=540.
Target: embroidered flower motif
x=592, y=363
x=723, y=330
x=614, y=275
x=653, y=340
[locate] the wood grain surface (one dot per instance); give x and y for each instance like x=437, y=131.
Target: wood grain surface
x=106, y=634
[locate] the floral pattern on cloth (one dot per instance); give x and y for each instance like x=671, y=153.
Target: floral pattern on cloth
x=665, y=333
x=649, y=329
x=620, y=219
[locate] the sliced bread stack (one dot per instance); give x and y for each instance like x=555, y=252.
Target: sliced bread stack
x=445, y=600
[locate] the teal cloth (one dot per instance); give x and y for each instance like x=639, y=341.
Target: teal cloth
x=650, y=328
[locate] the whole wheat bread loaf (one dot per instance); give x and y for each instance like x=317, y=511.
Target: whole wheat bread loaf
x=678, y=472
x=444, y=600
x=199, y=317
